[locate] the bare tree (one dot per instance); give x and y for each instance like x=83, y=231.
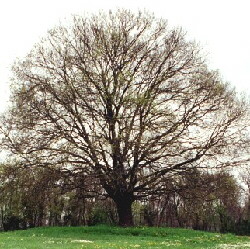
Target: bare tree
x=127, y=100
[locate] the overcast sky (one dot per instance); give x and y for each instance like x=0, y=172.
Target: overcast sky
x=222, y=27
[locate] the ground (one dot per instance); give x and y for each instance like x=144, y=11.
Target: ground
x=104, y=237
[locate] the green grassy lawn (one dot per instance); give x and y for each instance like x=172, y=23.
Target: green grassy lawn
x=120, y=238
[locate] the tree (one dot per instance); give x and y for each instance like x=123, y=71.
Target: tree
x=126, y=100
x=35, y=196
x=198, y=199
x=25, y=194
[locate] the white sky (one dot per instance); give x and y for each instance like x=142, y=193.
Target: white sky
x=222, y=27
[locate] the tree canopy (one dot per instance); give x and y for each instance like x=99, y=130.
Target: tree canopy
x=126, y=100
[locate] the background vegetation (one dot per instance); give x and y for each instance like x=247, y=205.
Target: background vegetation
x=34, y=197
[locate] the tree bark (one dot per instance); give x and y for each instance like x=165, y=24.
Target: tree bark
x=124, y=210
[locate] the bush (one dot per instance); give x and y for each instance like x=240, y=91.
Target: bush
x=13, y=222
x=99, y=216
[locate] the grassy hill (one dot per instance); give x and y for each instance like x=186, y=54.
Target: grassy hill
x=119, y=238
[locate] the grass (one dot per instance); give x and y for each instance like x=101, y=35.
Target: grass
x=120, y=238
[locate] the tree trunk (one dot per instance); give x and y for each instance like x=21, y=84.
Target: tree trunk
x=124, y=210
